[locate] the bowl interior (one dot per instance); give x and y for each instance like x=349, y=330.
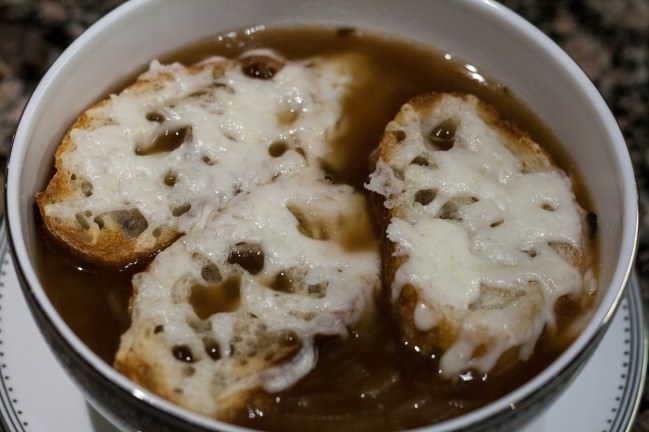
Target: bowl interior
x=484, y=33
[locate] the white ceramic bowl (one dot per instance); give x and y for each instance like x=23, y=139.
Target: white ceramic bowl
x=483, y=32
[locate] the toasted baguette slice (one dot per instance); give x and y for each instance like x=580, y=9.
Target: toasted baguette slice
x=484, y=239
x=232, y=309
x=140, y=168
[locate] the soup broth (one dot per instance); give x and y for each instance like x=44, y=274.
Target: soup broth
x=369, y=380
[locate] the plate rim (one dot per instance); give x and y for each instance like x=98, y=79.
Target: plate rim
x=626, y=410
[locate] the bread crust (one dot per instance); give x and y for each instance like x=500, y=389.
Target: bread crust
x=122, y=237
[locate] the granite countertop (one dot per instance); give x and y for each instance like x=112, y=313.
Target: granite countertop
x=609, y=39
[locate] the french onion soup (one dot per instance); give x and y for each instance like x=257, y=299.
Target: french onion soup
x=318, y=228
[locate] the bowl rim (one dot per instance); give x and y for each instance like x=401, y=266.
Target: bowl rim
x=589, y=336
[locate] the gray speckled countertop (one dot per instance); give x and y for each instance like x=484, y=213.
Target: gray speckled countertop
x=609, y=39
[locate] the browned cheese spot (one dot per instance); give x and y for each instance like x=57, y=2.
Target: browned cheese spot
x=248, y=256
x=207, y=300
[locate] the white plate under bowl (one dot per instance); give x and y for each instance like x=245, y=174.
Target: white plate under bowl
x=36, y=395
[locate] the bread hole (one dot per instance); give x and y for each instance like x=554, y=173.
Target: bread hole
x=208, y=161
x=442, y=136
x=398, y=135
x=479, y=351
x=591, y=224
x=189, y=371
x=328, y=169
x=155, y=116
x=183, y=353
x=496, y=223
x=86, y=188
x=170, y=179
x=248, y=256
x=548, y=207
x=212, y=348
x=199, y=93
x=288, y=338
x=156, y=232
x=567, y=252
x=277, y=148
x=99, y=220
x=260, y=67
x=181, y=209
x=425, y=196
x=223, y=86
x=531, y=253
x=81, y=219
x=166, y=141
x=87, y=213
x=318, y=290
x=237, y=189
x=282, y=282
x=287, y=117
x=207, y=300
x=73, y=177
x=495, y=298
x=229, y=136
x=158, y=329
x=451, y=209
x=132, y=222
x=199, y=325
x=211, y=274
x=420, y=160
x=301, y=152
x=308, y=224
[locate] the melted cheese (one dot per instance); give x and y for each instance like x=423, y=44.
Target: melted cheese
x=234, y=119
x=491, y=268
x=345, y=280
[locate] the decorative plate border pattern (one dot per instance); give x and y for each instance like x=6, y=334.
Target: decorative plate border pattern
x=635, y=360
x=624, y=405
x=10, y=412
